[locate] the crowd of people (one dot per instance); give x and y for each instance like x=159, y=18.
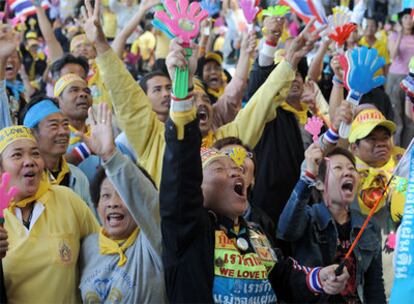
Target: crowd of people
x=127, y=193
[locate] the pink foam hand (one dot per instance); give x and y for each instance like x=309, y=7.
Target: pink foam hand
x=6, y=196
x=314, y=126
x=250, y=10
x=183, y=20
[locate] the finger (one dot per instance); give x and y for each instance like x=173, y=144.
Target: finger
x=91, y=116
x=99, y=117
x=109, y=115
x=308, y=27
x=96, y=9
x=84, y=15
x=5, y=178
x=89, y=8
x=318, y=31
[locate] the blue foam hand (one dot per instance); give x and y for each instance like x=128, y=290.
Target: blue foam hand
x=363, y=64
x=211, y=6
x=162, y=27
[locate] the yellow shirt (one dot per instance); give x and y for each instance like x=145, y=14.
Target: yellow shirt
x=146, y=133
x=110, y=24
x=98, y=89
x=381, y=47
x=41, y=264
x=163, y=45
x=145, y=44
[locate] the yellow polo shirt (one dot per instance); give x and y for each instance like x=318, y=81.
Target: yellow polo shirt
x=41, y=265
x=381, y=46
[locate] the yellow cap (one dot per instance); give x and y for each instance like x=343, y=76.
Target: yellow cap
x=366, y=121
x=215, y=57
x=11, y=134
x=64, y=81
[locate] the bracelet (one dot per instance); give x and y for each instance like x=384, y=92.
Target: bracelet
x=331, y=136
x=81, y=151
x=336, y=81
x=313, y=280
x=182, y=104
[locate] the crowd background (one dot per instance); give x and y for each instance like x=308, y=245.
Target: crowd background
x=107, y=158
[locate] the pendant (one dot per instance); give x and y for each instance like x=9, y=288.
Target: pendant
x=242, y=244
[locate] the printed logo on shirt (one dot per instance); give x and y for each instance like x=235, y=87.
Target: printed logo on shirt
x=65, y=253
x=103, y=293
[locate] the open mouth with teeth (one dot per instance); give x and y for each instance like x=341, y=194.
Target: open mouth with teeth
x=347, y=187
x=114, y=219
x=214, y=81
x=30, y=175
x=238, y=188
x=202, y=114
x=9, y=67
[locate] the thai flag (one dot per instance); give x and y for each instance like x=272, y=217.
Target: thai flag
x=23, y=8
x=306, y=9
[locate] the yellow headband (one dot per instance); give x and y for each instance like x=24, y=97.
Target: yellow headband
x=64, y=81
x=10, y=134
x=208, y=155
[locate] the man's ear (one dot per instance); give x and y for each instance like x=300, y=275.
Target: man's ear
x=319, y=185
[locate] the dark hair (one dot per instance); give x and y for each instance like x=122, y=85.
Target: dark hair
x=96, y=184
x=372, y=19
x=329, y=153
x=148, y=76
x=34, y=101
x=58, y=65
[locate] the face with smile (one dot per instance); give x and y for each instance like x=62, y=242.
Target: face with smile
x=375, y=149
x=23, y=161
x=115, y=217
x=75, y=100
x=212, y=75
x=12, y=66
x=224, y=188
x=52, y=135
x=342, y=181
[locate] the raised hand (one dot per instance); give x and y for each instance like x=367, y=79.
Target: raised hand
x=9, y=41
x=183, y=21
x=102, y=139
x=248, y=44
x=91, y=23
x=336, y=67
x=303, y=44
x=314, y=126
x=250, y=9
x=211, y=6
x=177, y=58
x=360, y=65
x=273, y=28
x=309, y=95
x=6, y=194
x=313, y=156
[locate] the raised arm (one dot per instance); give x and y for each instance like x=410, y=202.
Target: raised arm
x=9, y=42
x=230, y=103
x=131, y=104
x=315, y=69
x=250, y=121
x=136, y=190
x=53, y=45
x=121, y=38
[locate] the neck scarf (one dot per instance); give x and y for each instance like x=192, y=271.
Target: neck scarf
x=108, y=246
x=301, y=116
x=373, y=181
x=216, y=93
x=64, y=169
x=75, y=139
x=16, y=87
x=43, y=187
x=207, y=140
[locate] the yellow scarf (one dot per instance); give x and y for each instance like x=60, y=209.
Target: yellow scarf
x=75, y=139
x=64, y=169
x=207, y=140
x=108, y=246
x=216, y=93
x=301, y=116
x=373, y=181
x=43, y=187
